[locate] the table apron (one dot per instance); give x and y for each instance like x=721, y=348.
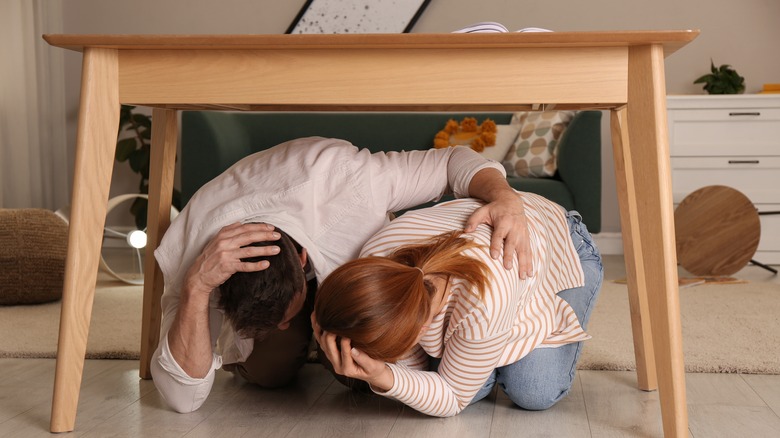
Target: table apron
x=435, y=78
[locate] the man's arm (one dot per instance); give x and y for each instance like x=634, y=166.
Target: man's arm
x=189, y=338
x=506, y=214
x=416, y=177
x=182, y=366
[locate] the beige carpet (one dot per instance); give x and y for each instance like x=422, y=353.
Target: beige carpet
x=115, y=331
x=726, y=328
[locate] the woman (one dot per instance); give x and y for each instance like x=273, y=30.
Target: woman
x=430, y=319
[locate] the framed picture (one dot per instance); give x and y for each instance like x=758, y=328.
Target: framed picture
x=357, y=16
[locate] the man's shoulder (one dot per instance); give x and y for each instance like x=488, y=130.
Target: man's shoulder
x=307, y=152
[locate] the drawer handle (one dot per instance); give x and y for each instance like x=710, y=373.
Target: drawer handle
x=745, y=114
x=743, y=161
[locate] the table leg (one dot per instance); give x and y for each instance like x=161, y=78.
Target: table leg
x=632, y=248
x=650, y=164
x=95, y=145
x=162, y=164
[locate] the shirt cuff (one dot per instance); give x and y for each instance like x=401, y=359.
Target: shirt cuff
x=169, y=364
x=467, y=164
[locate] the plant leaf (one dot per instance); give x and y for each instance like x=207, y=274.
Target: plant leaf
x=136, y=160
x=142, y=120
x=722, y=80
x=124, y=148
x=139, y=209
x=145, y=157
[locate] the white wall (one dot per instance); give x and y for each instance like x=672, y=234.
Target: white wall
x=744, y=34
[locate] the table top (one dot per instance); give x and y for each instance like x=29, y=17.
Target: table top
x=670, y=39
x=370, y=71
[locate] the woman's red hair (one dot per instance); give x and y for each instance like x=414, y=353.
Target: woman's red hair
x=381, y=303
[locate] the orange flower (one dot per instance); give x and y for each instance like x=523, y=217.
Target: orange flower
x=488, y=126
x=451, y=127
x=441, y=140
x=469, y=124
x=488, y=137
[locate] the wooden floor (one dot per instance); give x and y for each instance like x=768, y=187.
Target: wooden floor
x=115, y=403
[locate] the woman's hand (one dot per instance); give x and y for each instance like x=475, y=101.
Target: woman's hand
x=221, y=258
x=351, y=362
x=510, y=229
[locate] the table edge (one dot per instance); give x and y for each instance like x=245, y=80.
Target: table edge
x=670, y=39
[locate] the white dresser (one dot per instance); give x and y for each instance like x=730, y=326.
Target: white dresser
x=731, y=140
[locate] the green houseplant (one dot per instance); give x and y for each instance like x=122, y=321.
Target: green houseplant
x=722, y=80
x=135, y=149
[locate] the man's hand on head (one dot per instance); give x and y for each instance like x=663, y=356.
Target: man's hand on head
x=222, y=256
x=506, y=215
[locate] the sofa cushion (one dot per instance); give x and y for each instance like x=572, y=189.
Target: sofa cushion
x=505, y=137
x=535, y=149
x=550, y=188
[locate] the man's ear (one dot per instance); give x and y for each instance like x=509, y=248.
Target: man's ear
x=303, y=256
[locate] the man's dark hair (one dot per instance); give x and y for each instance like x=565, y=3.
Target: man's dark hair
x=255, y=302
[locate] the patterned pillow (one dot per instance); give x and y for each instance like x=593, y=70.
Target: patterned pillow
x=534, y=152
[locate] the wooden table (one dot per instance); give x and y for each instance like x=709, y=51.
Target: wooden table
x=619, y=71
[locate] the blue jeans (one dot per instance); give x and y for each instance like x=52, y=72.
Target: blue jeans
x=544, y=376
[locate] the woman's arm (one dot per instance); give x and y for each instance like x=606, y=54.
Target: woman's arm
x=464, y=369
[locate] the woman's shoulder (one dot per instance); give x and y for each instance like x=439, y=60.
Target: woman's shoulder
x=411, y=227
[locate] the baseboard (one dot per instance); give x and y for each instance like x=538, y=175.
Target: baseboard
x=609, y=243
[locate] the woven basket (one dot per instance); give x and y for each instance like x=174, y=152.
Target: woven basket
x=33, y=244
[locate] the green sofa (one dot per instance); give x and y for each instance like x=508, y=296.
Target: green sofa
x=213, y=141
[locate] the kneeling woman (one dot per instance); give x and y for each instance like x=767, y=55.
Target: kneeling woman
x=427, y=317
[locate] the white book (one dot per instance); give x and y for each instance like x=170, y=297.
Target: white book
x=493, y=27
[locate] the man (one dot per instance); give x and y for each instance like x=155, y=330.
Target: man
x=330, y=198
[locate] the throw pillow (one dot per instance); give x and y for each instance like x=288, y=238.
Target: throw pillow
x=505, y=137
x=534, y=152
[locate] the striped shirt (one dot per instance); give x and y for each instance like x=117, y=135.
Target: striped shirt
x=474, y=336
